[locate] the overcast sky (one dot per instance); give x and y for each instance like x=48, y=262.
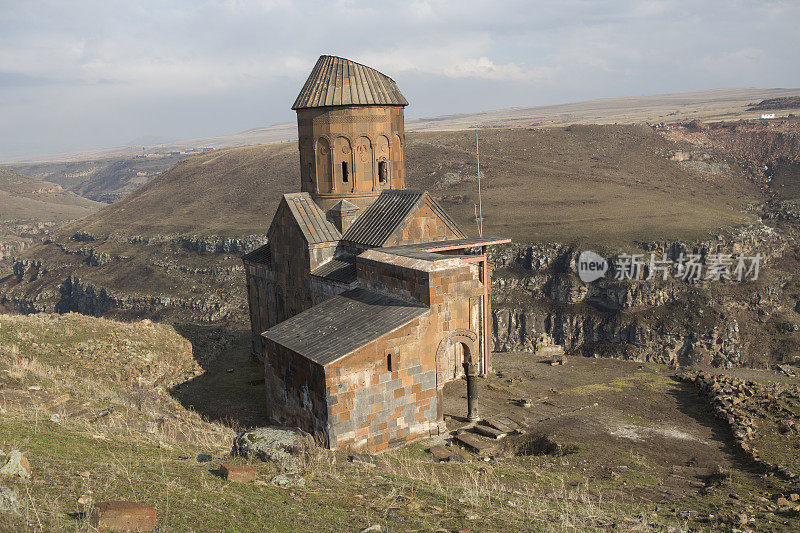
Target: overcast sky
x=85, y=74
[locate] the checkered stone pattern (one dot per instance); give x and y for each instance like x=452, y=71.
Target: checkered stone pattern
x=424, y=226
x=376, y=401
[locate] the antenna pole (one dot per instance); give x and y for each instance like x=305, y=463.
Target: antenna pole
x=480, y=203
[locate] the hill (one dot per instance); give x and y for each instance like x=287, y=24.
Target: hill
x=539, y=185
x=103, y=180
x=23, y=198
x=107, y=175
x=706, y=105
x=29, y=208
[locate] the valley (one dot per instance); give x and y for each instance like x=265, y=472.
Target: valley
x=170, y=250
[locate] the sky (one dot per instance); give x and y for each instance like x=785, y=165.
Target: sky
x=82, y=75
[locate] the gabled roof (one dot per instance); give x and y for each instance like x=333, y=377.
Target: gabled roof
x=336, y=81
x=340, y=325
x=388, y=213
x=341, y=269
x=310, y=218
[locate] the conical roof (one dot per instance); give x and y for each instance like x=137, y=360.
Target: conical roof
x=336, y=81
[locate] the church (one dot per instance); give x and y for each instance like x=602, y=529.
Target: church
x=367, y=297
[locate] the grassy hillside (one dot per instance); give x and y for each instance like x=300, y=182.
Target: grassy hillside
x=29, y=199
x=607, y=445
x=598, y=183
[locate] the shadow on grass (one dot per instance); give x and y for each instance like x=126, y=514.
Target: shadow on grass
x=231, y=388
x=692, y=403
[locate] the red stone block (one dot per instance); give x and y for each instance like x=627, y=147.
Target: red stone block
x=123, y=516
x=239, y=473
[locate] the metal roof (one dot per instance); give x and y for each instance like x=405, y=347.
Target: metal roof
x=340, y=325
x=337, y=81
x=341, y=269
x=388, y=212
x=310, y=218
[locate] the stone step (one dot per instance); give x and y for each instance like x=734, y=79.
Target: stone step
x=488, y=431
x=498, y=425
x=440, y=453
x=473, y=442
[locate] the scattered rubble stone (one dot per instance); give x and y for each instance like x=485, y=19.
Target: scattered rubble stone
x=238, y=473
x=17, y=465
x=363, y=459
x=123, y=516
x=9, y=501
x=440, y=453
x=737, y=402
x=289, y=480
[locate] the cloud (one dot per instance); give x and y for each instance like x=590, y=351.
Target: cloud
x=93, y=72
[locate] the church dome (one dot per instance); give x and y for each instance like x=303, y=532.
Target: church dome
x=336, y=81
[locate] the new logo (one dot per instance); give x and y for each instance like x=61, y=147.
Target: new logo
x=591, y=266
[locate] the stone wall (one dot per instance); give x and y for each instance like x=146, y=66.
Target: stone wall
x=295, y=389
x=385, y=393
x=363, y=137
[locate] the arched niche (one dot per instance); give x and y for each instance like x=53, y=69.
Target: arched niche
x=324, y=175
x=383, y=163
x=364, y=164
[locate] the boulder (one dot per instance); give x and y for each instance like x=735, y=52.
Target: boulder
x=16, y=465
x=280, y=445
x=123, y=516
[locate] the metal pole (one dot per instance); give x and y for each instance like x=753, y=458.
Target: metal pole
x=480, y=204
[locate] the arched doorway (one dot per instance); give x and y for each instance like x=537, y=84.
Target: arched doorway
x=457, y=348
x=456, y=353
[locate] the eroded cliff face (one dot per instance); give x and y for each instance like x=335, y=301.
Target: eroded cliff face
x=185, y=278
x=536, y=290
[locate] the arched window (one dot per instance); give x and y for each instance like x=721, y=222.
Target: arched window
x=344, y=181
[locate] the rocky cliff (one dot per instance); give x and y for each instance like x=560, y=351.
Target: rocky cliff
x=536, y=290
